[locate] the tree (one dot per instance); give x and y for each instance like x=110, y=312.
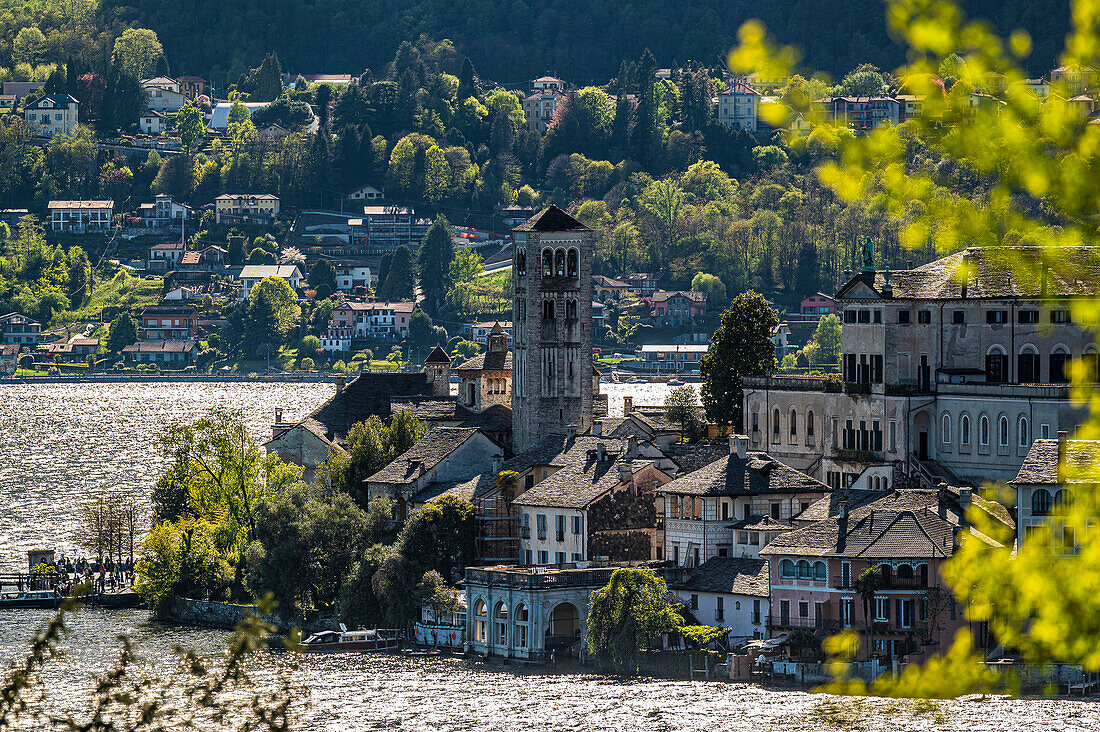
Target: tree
x=741, y=346
x=400, y=281
x=264, y=83
x=272, y=311
x=681, y=407
x=864, y=81
x=122, y=332
x=769, y=156
x=708, y=283
x=190, y=124
x=825, y=343
x=322, y=273
x=181, y=559
x=626, y=615
x=237, y=254
x=434, y=264
x=137, y=51
x=28, y=46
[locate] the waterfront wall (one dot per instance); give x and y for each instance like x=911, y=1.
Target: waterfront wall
x=203, y=613
x=166, y=377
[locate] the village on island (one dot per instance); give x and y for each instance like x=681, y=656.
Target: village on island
x=818, y=486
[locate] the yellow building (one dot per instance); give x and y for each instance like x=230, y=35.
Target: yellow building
x=241, y=207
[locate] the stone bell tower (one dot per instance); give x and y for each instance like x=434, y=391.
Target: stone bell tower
x=552, y=339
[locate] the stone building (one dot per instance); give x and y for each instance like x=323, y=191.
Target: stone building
x=553, y=380
x=1043, y=490
x=945, y=376
x=486, y=379
x=707, y=510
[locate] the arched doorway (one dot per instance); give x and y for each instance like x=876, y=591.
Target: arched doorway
x=564, y=628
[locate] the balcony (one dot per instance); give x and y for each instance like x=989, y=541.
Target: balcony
x=847, y=455
x=795, y=623
x=857, y=388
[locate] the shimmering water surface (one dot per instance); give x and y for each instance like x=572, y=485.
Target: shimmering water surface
x=60, y=443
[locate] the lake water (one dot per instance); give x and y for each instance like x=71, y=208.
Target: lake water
x=61, y=443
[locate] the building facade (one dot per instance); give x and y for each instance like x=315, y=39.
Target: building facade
x=53, y=114
x=262, y=207
x=169, y=323
x=942, y=379
x=19, y=328
x=738, y=106
x=552, y=384
x=80, y=217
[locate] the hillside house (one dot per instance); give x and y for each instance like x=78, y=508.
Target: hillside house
x=53, y=114
x=80, y=217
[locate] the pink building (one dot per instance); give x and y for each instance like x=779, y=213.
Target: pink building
x=904, y=537
x=677, y=308
x=819, y=304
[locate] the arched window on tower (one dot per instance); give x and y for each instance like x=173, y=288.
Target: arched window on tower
x=571, y=310
x=559, y=263
x=521, y=262
x=547, y=309
x=547, y=263
x=572, y=263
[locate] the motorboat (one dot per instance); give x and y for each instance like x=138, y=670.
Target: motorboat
x=345, y=640
x=32, y=599
x=675, y=382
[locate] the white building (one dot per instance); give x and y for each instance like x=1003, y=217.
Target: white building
x=350, y=275
x=152, y=122
x=252, y=274
x=163, y=212
x=165, y=256
x=943, y=379
x=53, y=114
x=163, y=94
x=365, y=193
x=738, y=106
x=729, y=592
x=80, y=217
x=1042, y=491
x=708, y=509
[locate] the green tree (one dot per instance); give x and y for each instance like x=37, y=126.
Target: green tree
x=466, y=266
x=741, y=346
x=434, y=264
x=28, y=46
x=272, y=311
x=682, y=407
x=400, y=279
x=864, y=81
x=137, y=51
x=626, y=615
x=825, y=343
x=122, y=332
x=322, y=273
x=181, y=559
x=769, y=156
x=190, y=124
x=708, y=283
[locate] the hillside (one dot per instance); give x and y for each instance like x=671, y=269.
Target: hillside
x=516, y=40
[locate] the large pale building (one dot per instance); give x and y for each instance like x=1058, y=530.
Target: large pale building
x=946, y=376
x=552, y=384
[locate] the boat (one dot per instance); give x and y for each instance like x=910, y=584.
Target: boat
x=33, y=599
x=345, y=640
x=675, y=382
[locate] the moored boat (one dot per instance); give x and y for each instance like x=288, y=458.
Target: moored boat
x=32, y=599
x=353, y=640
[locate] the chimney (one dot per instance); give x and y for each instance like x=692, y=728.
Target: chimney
x=601, y=452
x=626, y=473
x=740, y=444
x=631, y=445
x=628, y=405
x=597, y=429
x=570, y=432
x=842, y=509
x=278, y=415
x=909, y=264
x=498, y=464
x=965, y=495
x=341, y=382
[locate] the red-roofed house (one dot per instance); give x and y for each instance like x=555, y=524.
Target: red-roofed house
x=737, y=106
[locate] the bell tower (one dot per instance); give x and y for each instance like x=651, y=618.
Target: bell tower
x=552, y=335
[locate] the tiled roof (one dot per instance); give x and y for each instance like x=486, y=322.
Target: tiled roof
x=995, y=272
x=762, y=523
x=83, y=205
x=260, y=271
x=602, y=281
x=662, y=295
x=1041, y=465
x=830, y=506
x=551, y=218
x=488, y=361
x=160, y=347
x=757, y=474
x=429, y=451
x=582, y=479
x=729, y=575
x=438, y=355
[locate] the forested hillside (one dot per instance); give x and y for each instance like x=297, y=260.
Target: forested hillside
x=510, y=41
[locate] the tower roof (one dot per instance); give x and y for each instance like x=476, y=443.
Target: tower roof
x=438, y=355
x=551, y=218
x=497, y=330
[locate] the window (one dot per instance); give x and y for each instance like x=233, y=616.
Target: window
x=996, y=317
x=521, y=626
x=501, y=617
x=775, y=426
x=742, y=537
x=849, y=316
x=964, y=430
x=903, y=317
x=1060, y=316
x=863, y=316
x=983, y=431
x=1027, y=365
x=572, y=263
x=1023, y=432
x=1059, y=359
x=559, y=263
x=576, y=524
x=547, y=309
x=924, y=317
x=794, y=424
x=1040, y=502
x=1002, y=431
x=479, y=622
x=559, y=558
x=882, y=608
x=694, y=602
x=540, y=524
x=544, y=557
x=1027, y=316
x=775, y=511
x=893, y=435
x=786, y=568
x=803, y=609
x=521, y=262
x=878, y=316
x=996, y=366
x=958, y=317
x=803, y=569
x=810, y=423
x=576, y=557
x=719, y=609
x=819, y=571
x=547, y=263
x=756, y=421
x=845, y=574
x=945, y=432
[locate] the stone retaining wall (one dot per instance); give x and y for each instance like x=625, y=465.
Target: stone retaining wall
x=226, y=615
